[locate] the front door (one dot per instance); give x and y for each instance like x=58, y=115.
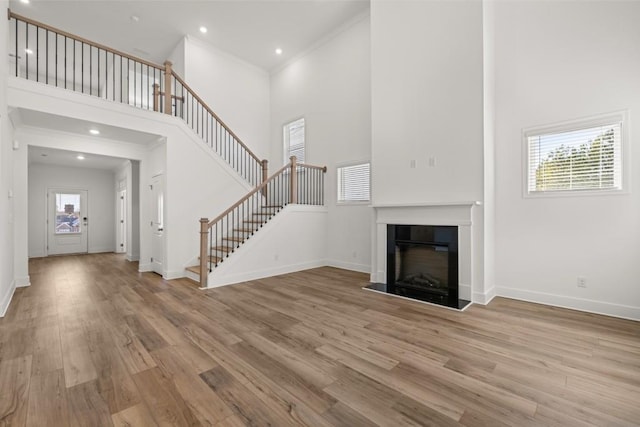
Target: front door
x=67, y=224
x=157, y=223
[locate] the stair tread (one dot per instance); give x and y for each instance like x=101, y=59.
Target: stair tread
x=244, y=230
x=233, y=239
x=250, y=221
x=213, y=258
x=222, y=248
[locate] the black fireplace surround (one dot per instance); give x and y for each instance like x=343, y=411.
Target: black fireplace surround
x=422, y=264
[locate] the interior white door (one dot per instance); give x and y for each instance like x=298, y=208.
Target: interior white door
x=121, y=244
x=67, y=222
x=157, y=223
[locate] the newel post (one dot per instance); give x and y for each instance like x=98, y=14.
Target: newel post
x=265, y=170
x=167, y=87
x=204, y=252
x=293, y=186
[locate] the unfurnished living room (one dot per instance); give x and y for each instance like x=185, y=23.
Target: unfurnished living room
x=319, y=213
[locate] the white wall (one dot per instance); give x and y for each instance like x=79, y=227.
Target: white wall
x=133, y=250
x=330, y=87
x=557, y=61
x=273, y=251
x=427, y=108
x=20, y=220
x=427, y=101
x=489, y=115
x=236, y=91
x=100, y=204
x=7, y=283
x=177, y=58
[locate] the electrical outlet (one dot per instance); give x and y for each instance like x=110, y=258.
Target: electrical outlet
x=412, y=164
x=582, y=282
x=432, y=162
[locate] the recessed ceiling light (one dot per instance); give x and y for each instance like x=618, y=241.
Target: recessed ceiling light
x=278, y=51
x=28, y=51
x=43, y=155
x=24, y=1
x=135, y=18
x=203, y=30
x=94, y=131
x=80, y=157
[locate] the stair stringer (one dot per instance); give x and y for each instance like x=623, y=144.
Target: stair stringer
x=292, y=240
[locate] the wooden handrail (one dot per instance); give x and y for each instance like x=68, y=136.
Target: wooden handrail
x=215, y=116
x=82, y=40
x=254, y=191
x=260, y=187
x=322, y=168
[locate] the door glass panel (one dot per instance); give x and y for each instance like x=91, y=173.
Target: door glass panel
x=68, y=213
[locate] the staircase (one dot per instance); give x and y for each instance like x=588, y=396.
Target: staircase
x=54, y=57
x=294, y=183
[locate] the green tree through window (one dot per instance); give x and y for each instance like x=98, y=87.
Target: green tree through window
x=588, y=166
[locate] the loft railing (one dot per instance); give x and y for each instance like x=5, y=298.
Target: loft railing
x=294, y=183
x=45, y=54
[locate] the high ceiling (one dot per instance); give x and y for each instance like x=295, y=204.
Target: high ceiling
x=249, y=29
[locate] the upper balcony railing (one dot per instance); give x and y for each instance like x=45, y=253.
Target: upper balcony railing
x=41, y=53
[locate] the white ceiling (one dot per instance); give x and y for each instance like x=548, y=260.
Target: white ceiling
x=51, y=156
x=31, y=118
x=249, y=29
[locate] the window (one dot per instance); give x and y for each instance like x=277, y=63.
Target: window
x=67, y=213
x=577, y=157
x=294, y=140
x=354, y=183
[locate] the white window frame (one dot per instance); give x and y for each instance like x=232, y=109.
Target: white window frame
x=573, y=125
x=351, y=202
x=285, y=140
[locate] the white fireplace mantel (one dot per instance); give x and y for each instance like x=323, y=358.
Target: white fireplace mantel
x=466, y=215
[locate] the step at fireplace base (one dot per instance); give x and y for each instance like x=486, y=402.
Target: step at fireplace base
x=419, y=295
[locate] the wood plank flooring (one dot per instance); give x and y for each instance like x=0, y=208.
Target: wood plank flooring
x=92, y=342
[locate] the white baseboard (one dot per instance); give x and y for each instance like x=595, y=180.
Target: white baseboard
x=37, y=254
x=215, y=282
x=5, y=300
x=133, y=258
x=101, y=250
x=22, y=282
x=484, y=298
x=590, y=306
x=142, y=268
x=170, y=275
x=352, y=266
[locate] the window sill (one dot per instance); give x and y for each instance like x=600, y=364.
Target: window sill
x=574, y=193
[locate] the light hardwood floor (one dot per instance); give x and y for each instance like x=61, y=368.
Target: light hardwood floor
x=94, y=343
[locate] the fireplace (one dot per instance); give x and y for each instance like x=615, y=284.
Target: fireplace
x=422, y=264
